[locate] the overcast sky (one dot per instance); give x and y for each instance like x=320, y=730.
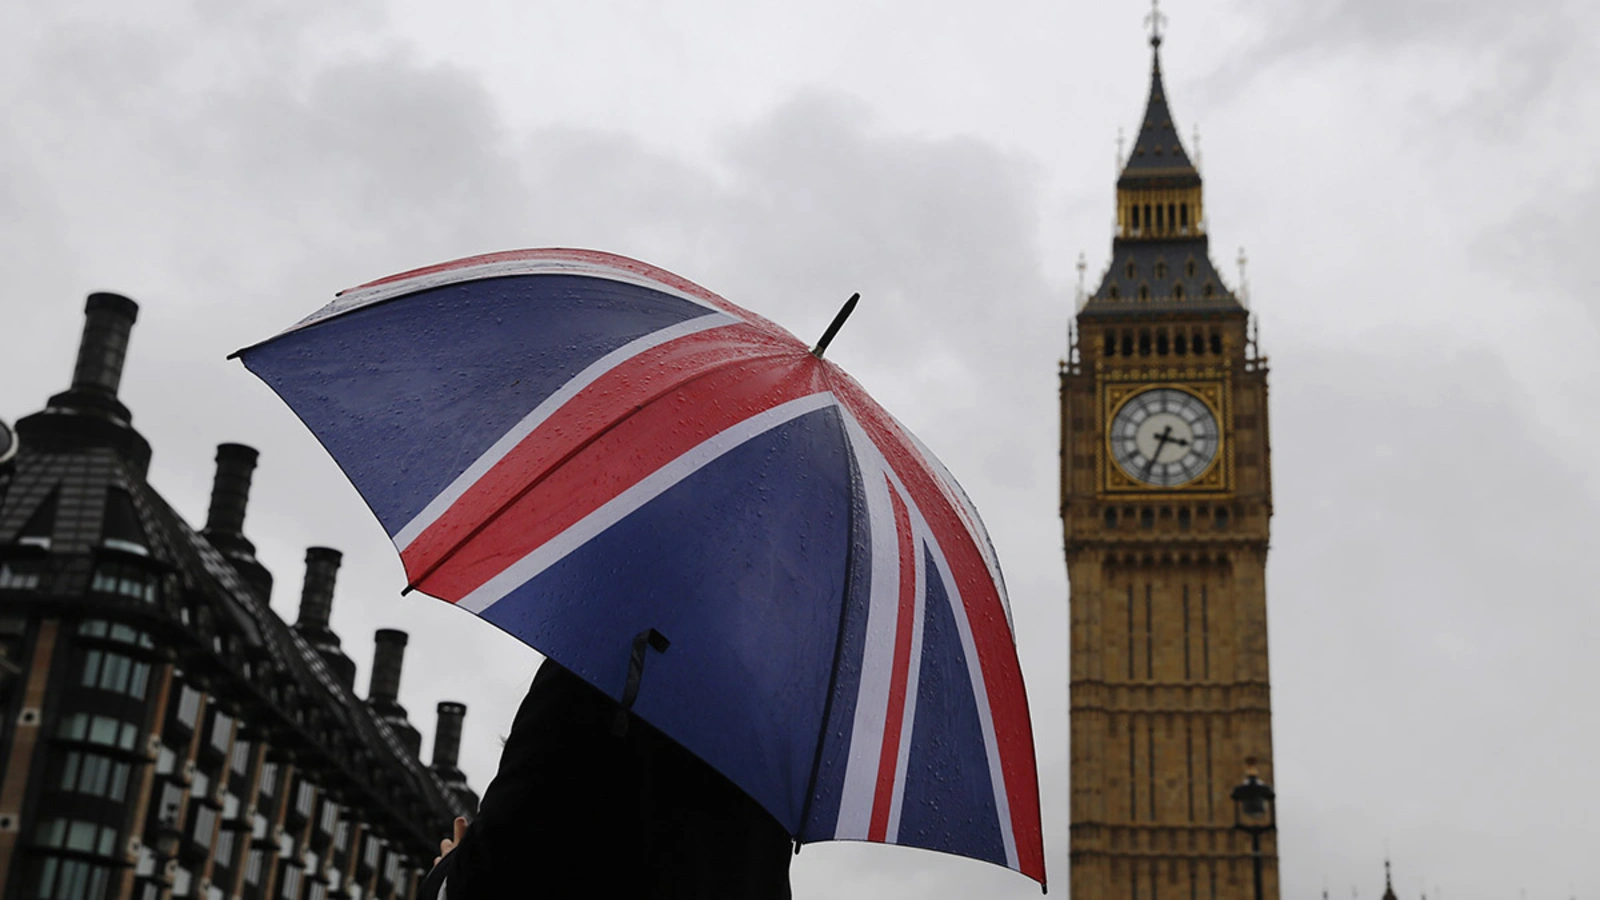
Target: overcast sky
x=1414, y=180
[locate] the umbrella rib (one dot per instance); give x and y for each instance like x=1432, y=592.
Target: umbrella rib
x=838, y=642
x=566, y=458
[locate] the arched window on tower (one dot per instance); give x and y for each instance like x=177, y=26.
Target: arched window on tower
x=1172, y=215
x=1144, y=343
x=1160, y=223
x=1109, y=348
x=1147, y=214
x=1177, y=291
x=1161, y=343
x=1183, y=217
x=1180, y=343
x=1144, y=292
x=1127, y=343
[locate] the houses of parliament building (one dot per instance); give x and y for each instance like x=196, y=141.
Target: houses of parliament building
x=163, y=733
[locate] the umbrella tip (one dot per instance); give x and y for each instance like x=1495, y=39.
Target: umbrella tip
x=838, y=322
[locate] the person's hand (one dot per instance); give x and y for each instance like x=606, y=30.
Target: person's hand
x=449, y=843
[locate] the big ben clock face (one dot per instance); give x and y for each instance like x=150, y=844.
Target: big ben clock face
x=1164, y=437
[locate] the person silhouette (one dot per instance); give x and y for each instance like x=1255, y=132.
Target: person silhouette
x=577, y=810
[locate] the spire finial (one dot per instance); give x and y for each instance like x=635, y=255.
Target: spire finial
x=1120, y=149
x=1156, y=21
x=1244, y=298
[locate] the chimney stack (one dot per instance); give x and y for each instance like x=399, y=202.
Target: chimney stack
x=100, y=419
x=447, y=741
x=384, y=692
x=108, y=320
x=316, y=595
x=316, y=604
x=230, y=492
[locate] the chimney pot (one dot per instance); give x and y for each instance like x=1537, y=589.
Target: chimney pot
x=108, y=319
x=316, y=595
x=389, y=653
x=230, y=492
x=447, y=740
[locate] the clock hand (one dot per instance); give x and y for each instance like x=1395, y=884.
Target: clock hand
x=1161, y=444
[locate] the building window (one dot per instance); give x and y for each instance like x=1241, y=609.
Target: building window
x=304, y=799
x=99, y=730
x=289, y=881
x=1161, y=268
x=19, y=576
x=224, y=851
x=269, y=778
x=115, y=672
x=330, y=816
x=240, y=760
x=68, y=879
x=253, y=866
x=124, y=580
x=205, y=825
x=115, y=631
x=76, y=834
x=93, y=774
x=188, y=707
x=221, y=730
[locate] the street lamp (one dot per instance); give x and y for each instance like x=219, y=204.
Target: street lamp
x=1254, y=814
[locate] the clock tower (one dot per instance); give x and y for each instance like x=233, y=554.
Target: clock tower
x=1165, y=501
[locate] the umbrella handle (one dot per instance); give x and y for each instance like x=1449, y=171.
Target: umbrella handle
x=648, y=639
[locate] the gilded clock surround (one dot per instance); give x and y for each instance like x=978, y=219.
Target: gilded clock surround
x=1117, y=388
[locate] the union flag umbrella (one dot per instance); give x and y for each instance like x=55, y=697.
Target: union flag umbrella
x=616, y=465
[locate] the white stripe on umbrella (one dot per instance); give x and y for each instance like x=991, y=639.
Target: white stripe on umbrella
x=635, y=497
x=877, y=655
x=508, y=441
x=919, y=599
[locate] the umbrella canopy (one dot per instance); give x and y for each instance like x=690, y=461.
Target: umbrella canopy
x=581, y=448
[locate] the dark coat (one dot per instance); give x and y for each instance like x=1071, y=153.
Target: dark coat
x=576, y=811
